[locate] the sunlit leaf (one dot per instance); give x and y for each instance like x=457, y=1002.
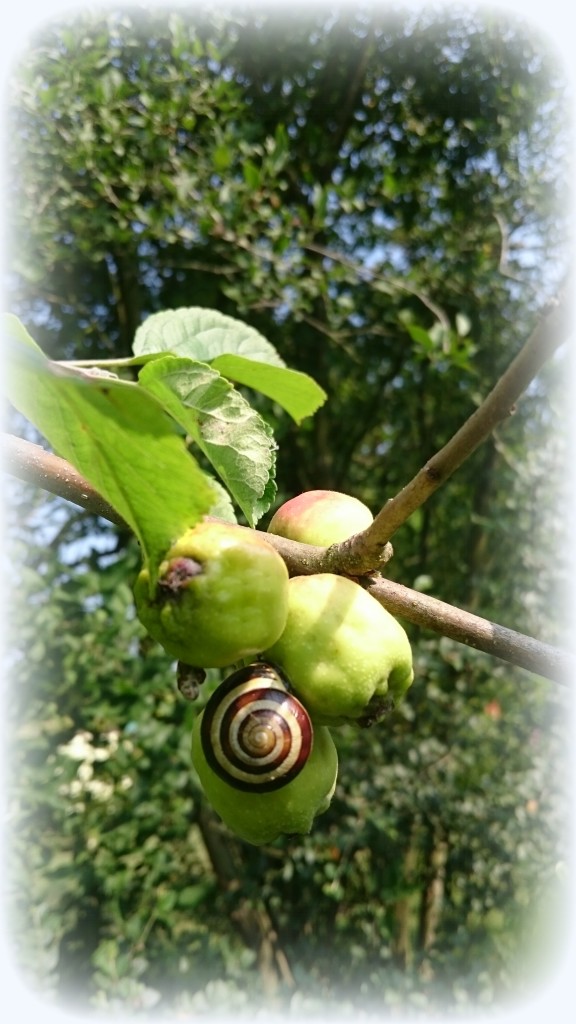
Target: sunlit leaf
x=296, y=392
x=232, y=435
x=117, y=435
x=202, y=334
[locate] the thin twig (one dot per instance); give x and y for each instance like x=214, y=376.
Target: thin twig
x=358, y=554
x=33, y=464
x=369, y=275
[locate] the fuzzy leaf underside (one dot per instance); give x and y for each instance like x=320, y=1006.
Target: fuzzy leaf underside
x=202, y=334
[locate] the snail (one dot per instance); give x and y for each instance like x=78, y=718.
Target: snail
x=255, y=734
x=260, y=765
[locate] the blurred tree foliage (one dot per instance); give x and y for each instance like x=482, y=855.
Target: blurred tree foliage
x=379, y=192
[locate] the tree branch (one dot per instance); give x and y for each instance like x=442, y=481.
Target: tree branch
x=360, y=553
x=31, y=463
x=34, y=465
x=369, y=275
x=499, y=641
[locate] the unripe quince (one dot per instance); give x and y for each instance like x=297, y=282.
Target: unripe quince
x=221, y=596
x=262, y=817
x=320, y=517
x=347, y=658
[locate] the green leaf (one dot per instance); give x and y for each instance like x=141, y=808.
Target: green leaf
x=222, y=156
x=390, y=185
x=202, y=334
x=117, y=435
x=296, y=392
x=422, y=337
x=193, y=895
x=237, y=441
x=105, y=957
x=222, y=508
x=278, y=149
x=251, y=174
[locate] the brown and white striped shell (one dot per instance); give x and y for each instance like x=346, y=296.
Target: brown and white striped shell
x=255, y=734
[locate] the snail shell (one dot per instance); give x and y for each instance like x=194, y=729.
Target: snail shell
x=255, y=734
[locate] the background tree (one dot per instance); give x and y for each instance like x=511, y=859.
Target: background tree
x=377, y=193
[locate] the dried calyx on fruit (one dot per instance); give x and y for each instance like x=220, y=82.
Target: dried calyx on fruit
x=221, y=596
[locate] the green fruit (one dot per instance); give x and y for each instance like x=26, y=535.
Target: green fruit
x=347, y=658
x=262, y=816
x=221, y=596
x=320, y=517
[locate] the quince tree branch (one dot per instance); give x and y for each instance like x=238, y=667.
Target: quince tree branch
x=33, y=464
x=370, y=549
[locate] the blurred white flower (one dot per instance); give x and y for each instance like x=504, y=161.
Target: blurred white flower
x=100, y=790
x=73, y=789
x=81, y=749
x=85, y=771
x=113, y=740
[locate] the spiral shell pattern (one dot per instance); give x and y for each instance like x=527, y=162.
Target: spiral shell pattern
x=255, y=734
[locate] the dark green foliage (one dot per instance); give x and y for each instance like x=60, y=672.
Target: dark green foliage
x=121, y=898
x=378, y=195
